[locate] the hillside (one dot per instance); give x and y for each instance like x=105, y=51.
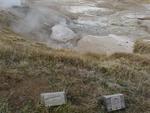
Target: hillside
x=104, y=49
x=29, y=68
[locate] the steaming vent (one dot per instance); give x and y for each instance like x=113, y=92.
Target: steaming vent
x=12, y=3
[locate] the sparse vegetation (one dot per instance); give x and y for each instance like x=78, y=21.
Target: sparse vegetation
x=28, y=68
x=142, y=47
x=5, y=18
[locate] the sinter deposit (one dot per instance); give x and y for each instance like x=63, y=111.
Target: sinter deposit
x=105, y=26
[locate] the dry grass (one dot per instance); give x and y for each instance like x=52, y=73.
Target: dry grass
x=5, y=18
x=28, y=68
x=142, y=47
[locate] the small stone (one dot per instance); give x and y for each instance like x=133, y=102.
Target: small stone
x=53, y=99
x=114, y=102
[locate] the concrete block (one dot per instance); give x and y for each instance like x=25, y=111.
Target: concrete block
x=53, y=99
x=114, y=102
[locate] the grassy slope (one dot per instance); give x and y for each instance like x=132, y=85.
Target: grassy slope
x=28, y=68
x=142, y=47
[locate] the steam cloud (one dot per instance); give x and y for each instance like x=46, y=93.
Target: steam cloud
x=9, y=3
x=36, y=20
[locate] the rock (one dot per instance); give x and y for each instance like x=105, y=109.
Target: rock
x=105, y=44
x=53, y=99
x=114, y=102
x=62, y=33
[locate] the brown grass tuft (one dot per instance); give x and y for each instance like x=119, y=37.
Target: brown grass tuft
x=142, y=47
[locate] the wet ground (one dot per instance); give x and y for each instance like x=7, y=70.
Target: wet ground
x=102, y=25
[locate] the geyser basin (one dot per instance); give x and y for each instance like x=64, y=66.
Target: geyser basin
x=94, y=18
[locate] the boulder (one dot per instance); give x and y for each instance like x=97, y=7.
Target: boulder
x=62, y=33
x=105, y=44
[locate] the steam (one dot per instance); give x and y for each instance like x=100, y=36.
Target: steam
x=35, y=20
x=9, y=3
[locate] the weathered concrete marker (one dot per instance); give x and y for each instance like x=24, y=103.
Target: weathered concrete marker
x=114, y=102
x=53, y=99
